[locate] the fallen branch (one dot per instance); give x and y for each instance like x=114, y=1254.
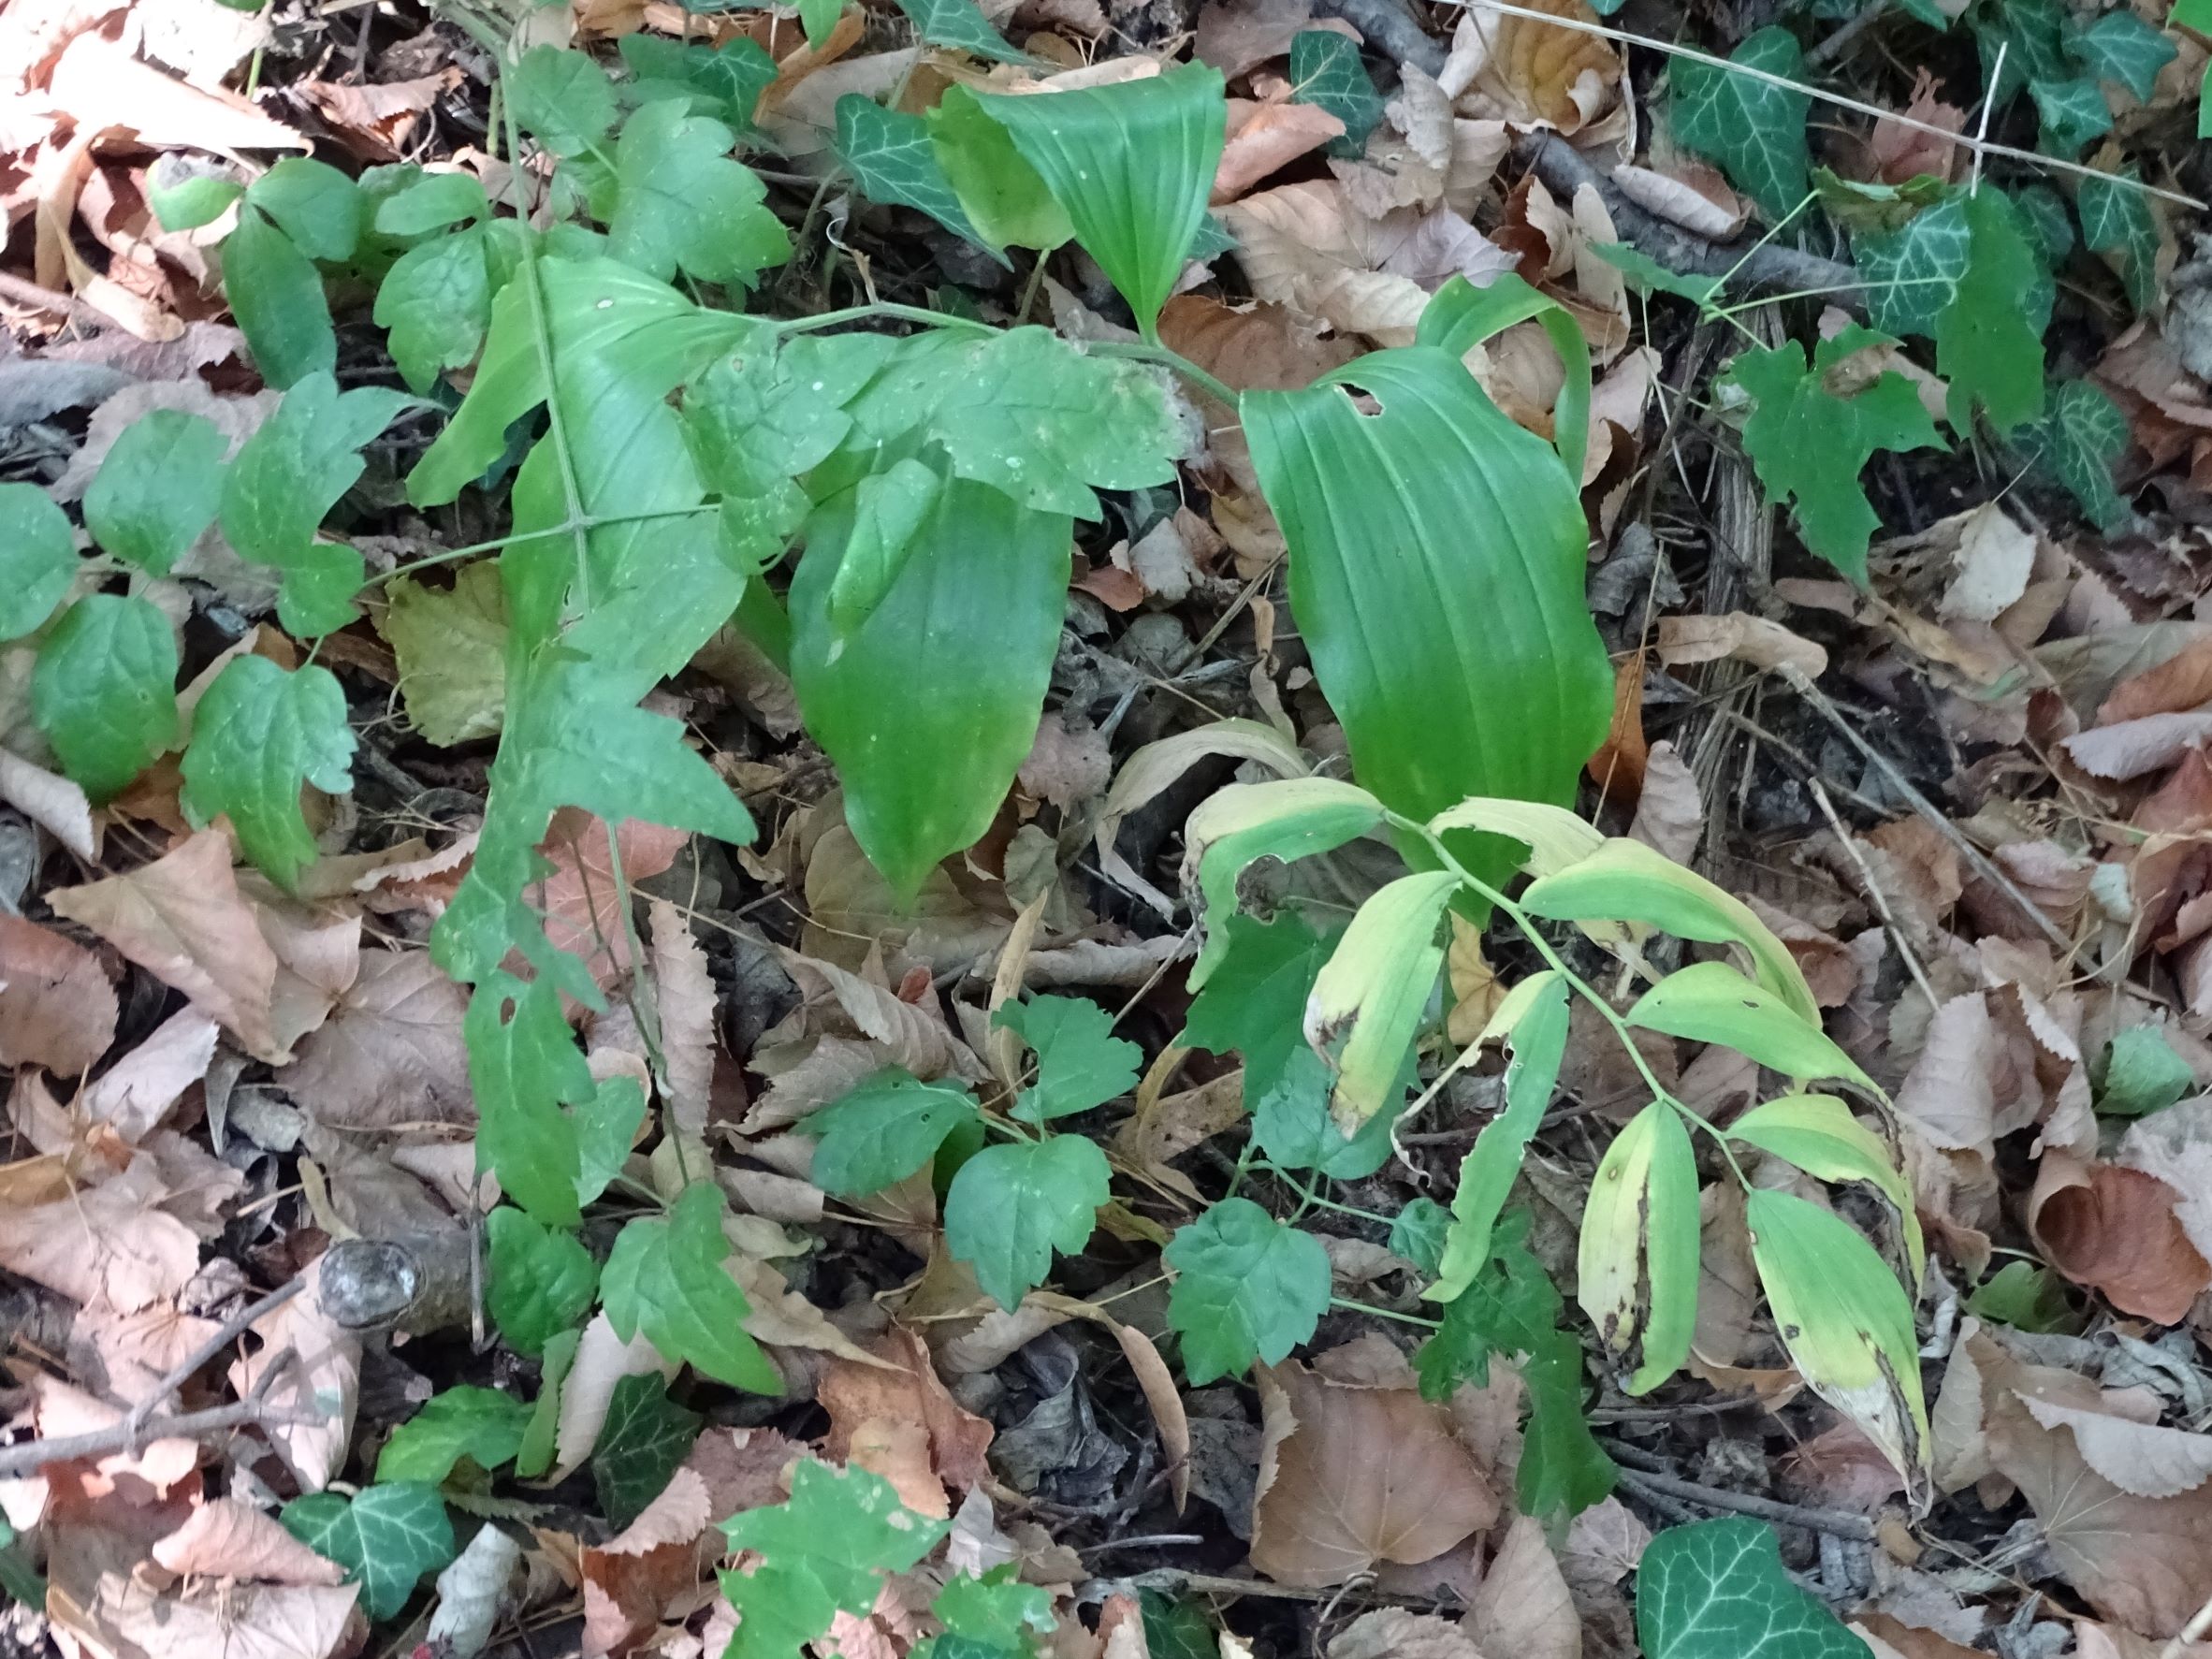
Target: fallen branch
x=1833, y=1521
x=230, y=1330
x=17, y=1462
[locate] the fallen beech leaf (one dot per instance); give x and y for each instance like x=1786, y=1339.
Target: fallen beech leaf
x=113, y=1245
x=2183, y=682
x=391, y=1051
x=375, y=120
x=1891, y=1638
x=1522, y=1607
x=227, y=1539
x=49, y=801
x=2141, y=1459
x=57, y=1009
x=2114, y=1230
x=1950, y=1094
x=1305, y=245
x=1351, y=1477
x=1603, y=1543
x=137, y=1350
x=212, y=1620
x=2134, y=747
x=1995, y=556
x=1396, y=1633
x=1671, y=811
x=1267, y=137
x=2175, y=1145
x=1697, y=200
x=1529, y=72
x=134, y=1095
x=103, y=85
x=871, y=1399
x=321, y=1384
x=57, y=1411
x=1747, y=638
x=684, y=996
x=784, y=1317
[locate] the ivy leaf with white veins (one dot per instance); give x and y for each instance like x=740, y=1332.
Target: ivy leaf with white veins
x=2122, y=47
x=1809, y=446
x=105, y=689
x=888, y=153
x=1012, y=1206
x=1327, y=72
x=960, y=23
x=1910, y=274
x=646, y=1434
x=2117, y=220
x=2073, y=112
x=259, y=734
x=681, y=201
x=157, y=489
x=1247, y=1287
x=1716, y=1589
x=2077, y=442
x=884, y=1132
x=1080, y=1062
x=38, y=558
x=665, y=1277
x=1753, y=128
x=1987, y=346
x=386, y=1538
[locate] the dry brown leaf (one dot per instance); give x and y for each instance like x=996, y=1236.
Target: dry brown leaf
x=1305, y=245
x=57, y=1009
x=1747, y=638
x=210, y=1621
x=1891, y=1638
x=2133, y=749
x=134, y=1095
x=780, y=1316
x=1529, y=72
x=1522, y=1607
x=1241, y=35
x=1263, y=137
x=910, y=1397
x=603, y=1359
x=1068, y=763
x=684, y=994
x=1950, y=1095
x=2143, y=1460
x=583, y=914
x=227, y=1539
x=2114, y=1230
x=57, y=1410
x=1901, y=153
x=1995, y=556
x=1603, y=1543
x=391, y=1051
x=135, y=1351
x=376, y=121
x=102, y=86
x=321, y=1384
x=1398, y=1633
x=1258, y=347
x=53, y=802
x=2181, y=681
x=1692, y=196
x=2175, y=1145
x=1352, y=1476
x=916, y=1038
x=1671, y=811
x=113, y=1243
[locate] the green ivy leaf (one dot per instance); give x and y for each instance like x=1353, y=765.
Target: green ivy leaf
x=2045, y=211
x=962, y=24
x=1327, y=71
x=1987, y=345
x=2117, y=220
x=2073, y=112
x=646, y=1436
x=2140, y=1073
x=157, y=489
x=681, y=202
x=105, y=689
x=884, y=1132
x=824, y=1552
x=1080, y=1062
x=386, y=1538
x=2028, y=37
x=1913, y=272
x=1716, y=1589
x=320, y=210
x=542, y=1281
x=665, y=1277
x=994, y=1615
x=889, y=155
x=2077, y=442
x=38, y=558
x=259, y=734
x=562, y=98
x=276, y=296
x=730, y=79
x=1012, y=1206
x=2119, y=46
x=1808, y=444
x=450, y=644
x=435, y=304
x=484, y=1425
x=1753, y=128
x=1247, y=1287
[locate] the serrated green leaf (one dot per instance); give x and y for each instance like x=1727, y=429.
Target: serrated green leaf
x=1636, y=1267
x=1292, y=1124
x=884, y=1132
x=435, y=304
x=1254, y=1001
x=541, y=1280
x=260, y=733
x=105, y=689
x=1809, y=446
x=386, y=1538
x=276, y=296
x=665, y=1278
x=994, y=1615
x=523, y=1068
x=1011, y=1207
x=562, y=98
x=190, y=199
x=680, y=202
x=157, y=489
x=484, y=1425
x=1327, y=71
x=1247, y=1287
x=1418, y=1233
x=824, y=1552
x=889, y=155
x=1711, y=1002
x=431, y=202
x=540, y=1437
x=2140, y=1073
x=647, y=1435
x=450, y=644
x=962, y=24
x=2077, y=442
x=2072, y=110
x=1716, y=1589
x=759, y=416
x=2122, y=47
x=1755, y=129
x=1080, y=1062
x=318, y=208
x=2117, y=220
x=1369, y=998
x=1987, y=346
x=38, y=558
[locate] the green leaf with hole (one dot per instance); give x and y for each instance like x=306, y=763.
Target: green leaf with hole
x=276, y=298
x=388, y=1537
x=1754, y=128
x=105, y=689
x=1436, y=566
x=157, y=489
x=38, y=558
x=2077, y=442
x=1080, y=1062
x=1247, y=1287
x=664, y=1277
x=524, y=1067
x=1368, y=1000
x=679, y=201
x=889, y=155
x=1636, y=1267
x=2117, y=221
x=1011, y=1207
x=824, y=1551
x=1326, y=71
x=884, y=1131
x=1289, y=820
x=1717, y=1589
x=562, y=98
x=2140, y=1073
x=645, y=1436
x=1711, y=1002
x=484, y=1425
x=542, y=1281
x=259, y=734
x=960, y=23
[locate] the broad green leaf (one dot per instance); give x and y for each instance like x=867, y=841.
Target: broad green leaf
x=889, y=155
x=1648, y=276
x=190, y=200
x=1247, y=1287
x=992, y=1617
x=824, y=1552
x=534, y=1456
x=1987, y=345
x=485, y=1425
x=606, y=1128
x=889, y=509
x=1845, y=1320
x=884, y=1132
x=1819, y=1135
x=1636, y=1270
x=1716, y=1589
x=2122, y=47
x=1131, y=165
x=2072, y=110
x=1711, y=1002
x=1626, y=880
x=1001, y=193
x=450, y=644
x=960, y=23
x=435, y=304
x=665, y=1277
x=386, y=1538
x=524, y=1067
x=1754, y=128
x=1420, y=1232
x=105, y=689
x=562, y=98
x=2117, y=221
x=276, y=296
x=157, y=489
x=2140, y=1073
x=38, y=558
x=2026, y=1296
x=1809, y=445
x=758, y=416
x=431, y=202
x=318, y=208
x=1012, y=1205
x=541, y=1280
x=1367, y=1003
x=1292, y=1124
x=1460, y=317
x=1289, y=820
x=681, y=203
x=1326, y=71
x=647, y=1435
x=1436, y=562
x=1254, y=1001
x=2077, y=440
x=1539, y=1040
x=259, y=735
x=1556, y=837
x=931, y=705
x=1080, y=1062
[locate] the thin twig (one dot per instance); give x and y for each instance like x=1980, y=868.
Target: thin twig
x=17, y=1462
x=1875, y=896
x=232, y=1329
x=1820, y=1521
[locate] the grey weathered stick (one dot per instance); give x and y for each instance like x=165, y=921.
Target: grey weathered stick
x=233, y=1328
x=34, y=1455
x=1820, y=1521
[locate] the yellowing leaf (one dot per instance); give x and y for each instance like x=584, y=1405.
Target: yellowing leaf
x=1377, y=985
x=1711, y=1002
x=1556, y=839
x=1248, y=820
x=1637, y=1267
x=1819, y=1135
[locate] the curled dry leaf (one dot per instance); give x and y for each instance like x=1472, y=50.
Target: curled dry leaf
x=915, y=1038
x=2175, y=1145
x=1671, y=811
x=51, y=802
x=1692, y=195
x=2114, y=1230
x=684, y=996
x=473, y=1593
x=57, y=1009
x=1396, y=1633
x=133, y=1096
x=603, y=1359
x=1746, y=638
x=2136, y=748
x=1263, y=137
x=227, y=1539
x=1522, y=1607
x=1531, y=73
x=1901, y=153
x=904, y=1405
x=208, y=1620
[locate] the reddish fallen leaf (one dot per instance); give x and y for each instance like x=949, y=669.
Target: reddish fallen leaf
x=57, y=1009
x=2114, y=1230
